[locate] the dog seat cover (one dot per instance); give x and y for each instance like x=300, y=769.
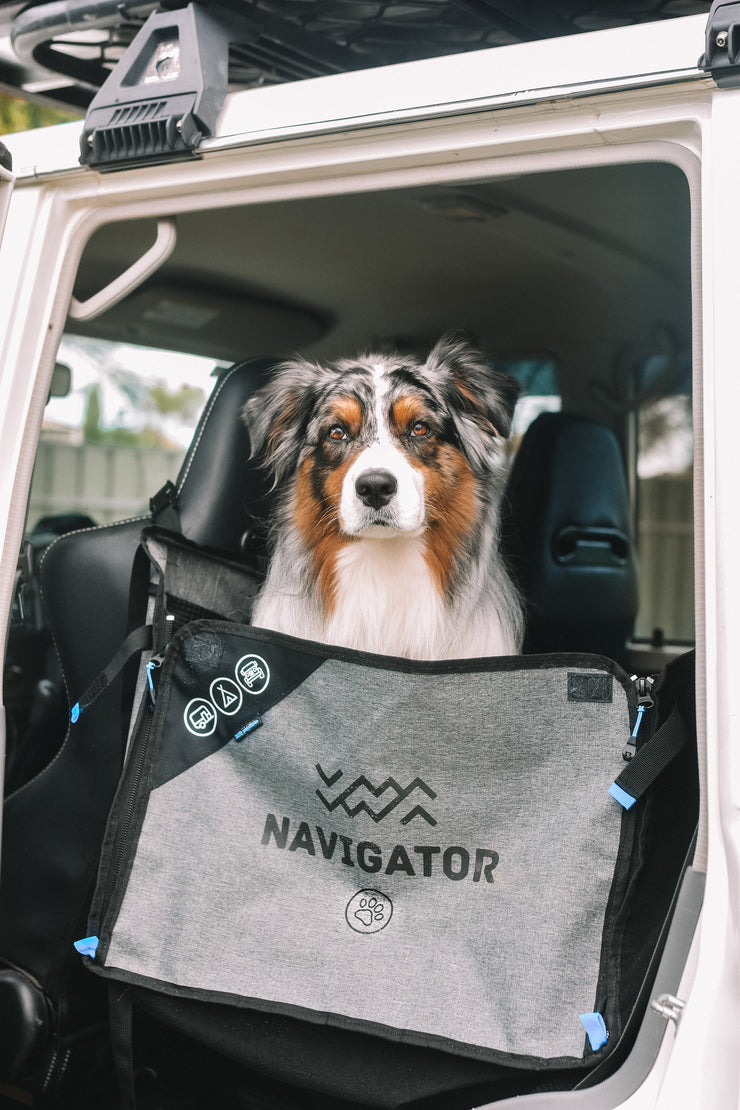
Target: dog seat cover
x=429, y=852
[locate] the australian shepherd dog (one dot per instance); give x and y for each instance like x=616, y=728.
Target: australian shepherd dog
x=387, y=474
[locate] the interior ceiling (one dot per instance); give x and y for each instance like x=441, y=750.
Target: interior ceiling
x=542, y=263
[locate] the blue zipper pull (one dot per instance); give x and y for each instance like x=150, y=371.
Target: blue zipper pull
x=154, y=663
x=643, y=688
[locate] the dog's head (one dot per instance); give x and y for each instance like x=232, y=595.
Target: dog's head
x=382, y=445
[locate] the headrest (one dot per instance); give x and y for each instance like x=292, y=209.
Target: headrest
x=566, y=535
x=221, y=492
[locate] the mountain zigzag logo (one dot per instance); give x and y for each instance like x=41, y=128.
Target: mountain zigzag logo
x=351, y=799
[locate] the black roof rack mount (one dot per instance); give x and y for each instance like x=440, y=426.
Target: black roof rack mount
x=165, y=94
x=722, y=50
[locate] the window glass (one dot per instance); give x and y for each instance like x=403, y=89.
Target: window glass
x=540, y=391
x=665, y=530
x=118, y=432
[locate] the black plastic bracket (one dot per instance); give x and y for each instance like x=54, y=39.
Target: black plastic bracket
x=165, y=94
x=722, y=48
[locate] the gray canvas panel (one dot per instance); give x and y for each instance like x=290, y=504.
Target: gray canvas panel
x=429, y=852
x=214, y=584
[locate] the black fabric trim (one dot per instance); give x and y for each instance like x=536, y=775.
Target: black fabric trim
x=653, y=757
x=295, y=667
x=439, y=666
x=356, y=1068
x=619, y=1051
x=340, y=1021
x=608, y=994
x=120, y=1012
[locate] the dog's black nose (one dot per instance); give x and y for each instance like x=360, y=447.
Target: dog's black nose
x=376, y=487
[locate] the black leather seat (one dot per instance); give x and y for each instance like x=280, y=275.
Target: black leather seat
x=567, y=537
x=54, y=823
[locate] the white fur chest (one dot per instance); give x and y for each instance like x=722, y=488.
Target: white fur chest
x=386, y=599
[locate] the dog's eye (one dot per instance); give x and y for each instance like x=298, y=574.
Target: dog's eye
x=420, y=429
x=337, y=433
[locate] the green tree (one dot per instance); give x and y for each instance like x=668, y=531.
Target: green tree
x=23, y=115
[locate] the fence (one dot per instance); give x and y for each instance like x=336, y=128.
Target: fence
x=105, y=481
x=665, y=539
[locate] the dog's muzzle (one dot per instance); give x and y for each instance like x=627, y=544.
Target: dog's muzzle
x=382, y=494
x=375, y=488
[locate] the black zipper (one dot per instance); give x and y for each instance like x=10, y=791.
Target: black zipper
x=643, y=688
x=132, y=789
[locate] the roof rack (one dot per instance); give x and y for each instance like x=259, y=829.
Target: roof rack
x=164, y=95
x=80, y=41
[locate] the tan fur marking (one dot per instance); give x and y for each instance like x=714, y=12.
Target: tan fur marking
x=406, y=411
x=347, y=411
x=318, y=525
x=452, y=509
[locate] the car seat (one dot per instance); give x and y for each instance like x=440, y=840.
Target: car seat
x=54, y=822
x=566, y=536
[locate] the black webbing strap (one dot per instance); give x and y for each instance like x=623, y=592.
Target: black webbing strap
x=120, y=1012
x=651, y=759
x=163, y=508
x=138, y=640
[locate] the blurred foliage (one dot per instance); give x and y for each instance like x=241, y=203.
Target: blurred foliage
x=22, y=115
x=155, y=400
x=187, y=401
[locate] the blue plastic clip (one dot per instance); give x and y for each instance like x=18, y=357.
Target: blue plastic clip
x=625, y=800
x=88, y=946
x=596, y=1030
x=75, y=714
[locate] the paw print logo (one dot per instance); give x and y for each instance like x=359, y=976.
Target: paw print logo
x=368, y=911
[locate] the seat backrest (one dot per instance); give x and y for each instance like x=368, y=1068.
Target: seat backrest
x=54, y=823
x=566, y=535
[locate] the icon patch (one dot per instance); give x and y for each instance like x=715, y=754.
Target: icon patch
x=226, y=695
x=253, y=673
x=200, y=717
x=368, y=911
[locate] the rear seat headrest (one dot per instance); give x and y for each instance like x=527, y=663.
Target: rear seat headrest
x=566, y=535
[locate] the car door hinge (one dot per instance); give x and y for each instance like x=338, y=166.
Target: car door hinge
x=668, y=1006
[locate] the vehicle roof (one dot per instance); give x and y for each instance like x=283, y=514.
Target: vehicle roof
x=62, y=49
x=572, y=66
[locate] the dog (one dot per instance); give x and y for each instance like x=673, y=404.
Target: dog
x=387, y=477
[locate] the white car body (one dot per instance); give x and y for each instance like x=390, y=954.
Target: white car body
x=605, y=98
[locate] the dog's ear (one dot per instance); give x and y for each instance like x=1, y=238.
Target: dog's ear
x=277, y=414
x=480, y=400
x=485, y=396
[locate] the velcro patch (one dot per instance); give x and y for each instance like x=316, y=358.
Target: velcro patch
x=589, y=687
